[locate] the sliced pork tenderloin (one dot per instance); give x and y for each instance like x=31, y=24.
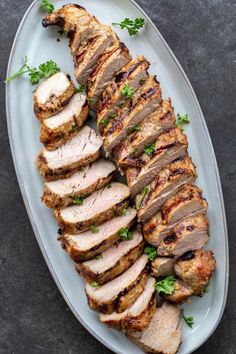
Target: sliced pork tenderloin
x=187, y=202
x=164, y=333
x=180, y=294
x=132, y=75
x=121, y=292
x=103, y=74
x=69, y=191
x=113, y=261
x=162, y=266
x=139, y=315
x=90, y=244
x=97, y=208
x=52, y=95
x=146, y=101
x=81, y=150
x=166, y=184
x=168, y=147
x=189, y=234
x=56, y=130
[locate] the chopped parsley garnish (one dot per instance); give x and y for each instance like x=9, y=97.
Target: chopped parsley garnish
x=60, y=32
x=142, y=81
x=125, y=234
x=206, y=290
x=78, y=200
x=149, y=149
x=80, y=89
x=121, y=105
x=132, y=26
x=92, y=100
x=123, y=211
x=44, y=70
x=151, y=252
x=188, y=320
x=112, y=115
x=134, y=128
x=109, y=186
x=182, y=119
x=127, y=91
x=99, y=256
x=46, y=6
x=94, y=284
x=94, y=229
x=104, y=122
x=74, y=128
x=166, y=285
x=144, y=191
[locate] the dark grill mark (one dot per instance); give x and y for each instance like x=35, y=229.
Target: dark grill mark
x=150, y=92
x=177, y=171
x=169, y=239
x=187, y=256
x=190, y=228
x=125, y=74
x=150, y=229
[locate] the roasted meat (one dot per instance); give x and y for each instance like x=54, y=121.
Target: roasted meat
x=113, y=261
x=83, y=149
x=64, y=192
x=52, y=95
x=162, y=266
x=121, y=292
x=90, y=244
x=181, y=293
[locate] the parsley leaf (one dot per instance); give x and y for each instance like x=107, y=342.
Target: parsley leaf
x=94, y=229
x=134, y=128
x=104, y=122
x=206, y=290
x=80, y=89
x=99, y=256
x=149, y=149
x=151, y=252
x=121, y=105
x=166, y=285
x=78, y=200
x=48, y=69
x=132, y=26
x=46, y=6
x=113, y=115
x=141, y=195
x=94, y=284
x=125, y=234
x=188, y=320
x=74, y=128
x=123, y=211
x=127, y=91
x=182, y=119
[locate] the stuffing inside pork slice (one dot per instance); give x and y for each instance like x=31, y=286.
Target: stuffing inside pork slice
x=72, y=190
x=145, y=101
x=139, y=315
x=168, y=147
x=189, y=234
x=113, y=261
x=130, y=77
x=166, y=184
x=56, y=130
x=121, y=292
x=90, y=244
x=97, y=208
x=52, y=95
x=187, y=202
x=164, y=333
x=163, y=266
x=81, y=150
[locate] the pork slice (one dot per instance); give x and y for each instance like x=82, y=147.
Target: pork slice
x=64, y=192
x=106, y=298
x=164, y=333
x=189, y=234
x=168, y=147
x=113, y=261
x=139, y=315
x=133, y=75
x=97, y=208
x=88, y=244
x=52, y=95
x=56, y=130
x=81, y=150
x=166, y=184
x=103, y=74
x=146, y=101
x=162, y=266
x=181, y=293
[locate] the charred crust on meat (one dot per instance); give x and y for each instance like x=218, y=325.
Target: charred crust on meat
x=187, y=256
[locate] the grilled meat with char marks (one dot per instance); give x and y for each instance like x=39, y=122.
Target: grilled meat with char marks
x=162, y=266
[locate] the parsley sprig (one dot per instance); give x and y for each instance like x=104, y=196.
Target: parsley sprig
x=127, y=91
x=44, y=70
x=151, y=252
x=149, y=149
x=78, y=200
x=166, y=285
x=188, y=320
x=125, y=234
x=46, y=6
x=94, y=229
x=182, y=119
x=141, y=196
x=133, y=26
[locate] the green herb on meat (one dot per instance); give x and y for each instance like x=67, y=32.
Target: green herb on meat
x=165, y=285
x=141, y=196
x=125, y=234
x=149, y=149
x=127, y=91
x=78, y=200
x=94, y=229
x=151, y=252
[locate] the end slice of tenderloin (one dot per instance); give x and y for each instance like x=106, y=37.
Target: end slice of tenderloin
x=187, y=202
x=121, y=292
x=166, y=184
x=81, y=150
x=195, y=269
x=52, y=95
x=88, y=244
x=162, y=266
x=164, y=333
x=89, y=52
x=189, y=234
x=133, y=75
x=64, y=192
x=180, y=294
x=97, y=208
x=139, y=315
x=103, y=74
x=56, y=130
x=168, y=147
x=113, y=261
x=145, y=102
